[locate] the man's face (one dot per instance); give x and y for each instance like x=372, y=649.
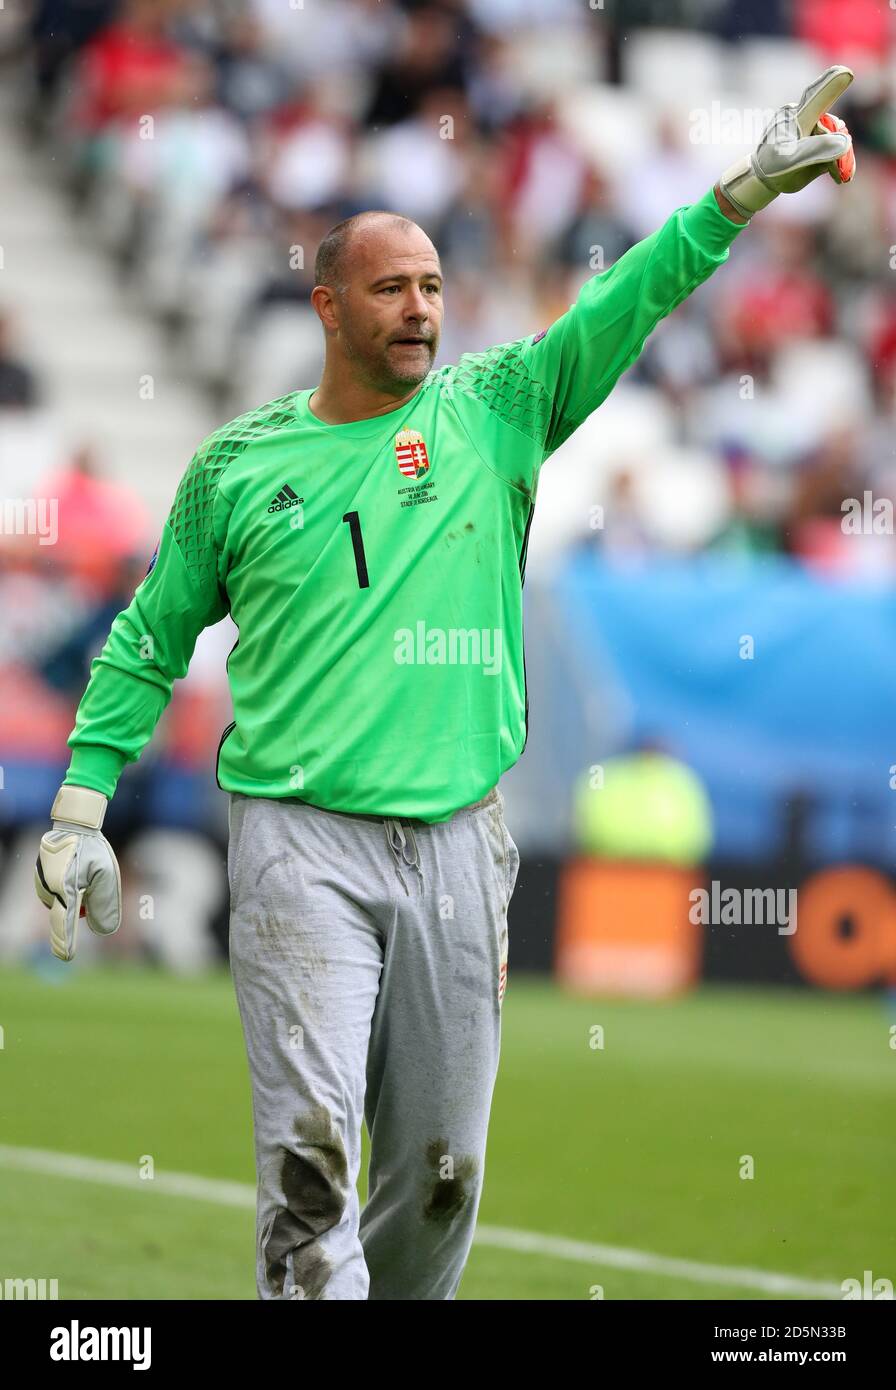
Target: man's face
x=390, y=317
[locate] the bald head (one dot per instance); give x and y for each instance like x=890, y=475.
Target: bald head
x=332, y=259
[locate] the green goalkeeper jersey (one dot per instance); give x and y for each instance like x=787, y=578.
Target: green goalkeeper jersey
x=374, y=570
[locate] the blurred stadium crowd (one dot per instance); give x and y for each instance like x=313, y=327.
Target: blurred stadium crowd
x=214, y=144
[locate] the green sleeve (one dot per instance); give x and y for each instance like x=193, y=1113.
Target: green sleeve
x=582, y=355
x=151, y=642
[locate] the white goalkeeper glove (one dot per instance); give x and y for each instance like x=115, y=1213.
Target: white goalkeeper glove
x=75, y=864
x=800, y=142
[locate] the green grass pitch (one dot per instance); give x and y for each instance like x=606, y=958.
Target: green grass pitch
x=636, y=1144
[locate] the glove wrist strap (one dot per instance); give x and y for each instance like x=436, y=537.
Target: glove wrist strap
x=745, y=190
x=80, y=805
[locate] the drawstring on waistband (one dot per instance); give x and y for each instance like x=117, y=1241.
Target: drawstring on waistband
x=399, y=843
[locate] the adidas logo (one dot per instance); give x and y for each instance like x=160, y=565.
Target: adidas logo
x=285, y=498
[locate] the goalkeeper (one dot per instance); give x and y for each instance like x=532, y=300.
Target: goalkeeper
x=369, y=539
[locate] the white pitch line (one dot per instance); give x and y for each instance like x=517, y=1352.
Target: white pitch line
x=618, y=1257
x=238, y=1194
x=112, y=1174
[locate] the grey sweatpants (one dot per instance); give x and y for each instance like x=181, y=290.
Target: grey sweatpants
x=369, y=958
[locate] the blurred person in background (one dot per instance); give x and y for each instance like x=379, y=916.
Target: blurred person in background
x=66, y=665
x=819, y=529
x=131, y=67
x=58, y=29
x=252, y=80
x=18, y=382
x=649, y=805
x=430, y=55
x=100, y=522
x=755, y=524
x=595, y=228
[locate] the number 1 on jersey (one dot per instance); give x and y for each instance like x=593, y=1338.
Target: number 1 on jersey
x=358, y=547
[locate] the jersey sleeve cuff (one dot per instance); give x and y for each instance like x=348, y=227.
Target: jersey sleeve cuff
x=97, y=766
x=706, y=223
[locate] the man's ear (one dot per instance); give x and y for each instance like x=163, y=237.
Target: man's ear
x=324, y=301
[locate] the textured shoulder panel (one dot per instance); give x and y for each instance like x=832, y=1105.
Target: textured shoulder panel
x=500, y=379
x=190, y=517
